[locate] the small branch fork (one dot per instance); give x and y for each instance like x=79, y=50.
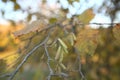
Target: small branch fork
x=49, y=67
x=48, y=63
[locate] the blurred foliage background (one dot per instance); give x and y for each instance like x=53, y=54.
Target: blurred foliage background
x=99, y=48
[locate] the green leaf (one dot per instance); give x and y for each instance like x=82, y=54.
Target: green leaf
x=52, y=20
x=17, y=6
x=71, y=1
x=62, y=43
x=58, y=53
x=4, y=0
x=72, y=38
x=73, y=35
x=61, y=57
x=65, y=50
x=63, y=66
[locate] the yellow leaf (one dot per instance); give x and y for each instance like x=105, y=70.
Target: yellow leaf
x=86, y=16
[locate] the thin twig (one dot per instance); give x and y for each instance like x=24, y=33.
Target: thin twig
x=80, y=69
x=5, y=75
x=48, y=63
x=97, y=23
x=26, y=58
x=79, y=64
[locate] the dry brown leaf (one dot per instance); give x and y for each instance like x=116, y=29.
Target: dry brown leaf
x=86, y=41
x=116, y=31
x=33, y=27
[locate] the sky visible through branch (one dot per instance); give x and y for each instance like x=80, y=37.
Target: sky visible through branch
x=76, y=8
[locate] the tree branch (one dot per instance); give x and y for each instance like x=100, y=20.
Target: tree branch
x=48, y=63
x=26, y=58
